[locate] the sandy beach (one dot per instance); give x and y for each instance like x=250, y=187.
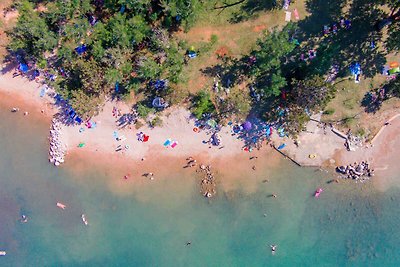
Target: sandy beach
x=126, y=155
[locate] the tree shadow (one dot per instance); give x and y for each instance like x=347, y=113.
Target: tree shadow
x=348, y=45
x=250, y=9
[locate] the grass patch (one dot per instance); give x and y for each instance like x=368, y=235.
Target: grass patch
x=143, y=110
x=329, y=111
x=156, y=122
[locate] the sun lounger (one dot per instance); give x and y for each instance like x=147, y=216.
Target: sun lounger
x=288, y=15
x=42, y=92
x=296, y=14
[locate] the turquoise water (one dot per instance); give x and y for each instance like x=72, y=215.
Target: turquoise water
x=350, y=225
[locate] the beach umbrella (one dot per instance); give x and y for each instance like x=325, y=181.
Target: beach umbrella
x=247, y=126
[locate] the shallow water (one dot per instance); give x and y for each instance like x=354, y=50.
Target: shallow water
x=350, y=225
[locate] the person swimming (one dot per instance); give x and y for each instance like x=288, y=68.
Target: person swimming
x=273, y=249
x=24, y=219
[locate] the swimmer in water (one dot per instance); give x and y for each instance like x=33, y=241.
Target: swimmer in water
x=24, y=219
x=273, y=249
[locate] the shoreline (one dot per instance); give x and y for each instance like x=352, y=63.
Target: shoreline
x=99, y=142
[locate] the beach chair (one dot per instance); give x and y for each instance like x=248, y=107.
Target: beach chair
x=296, y=14
x=288, y=16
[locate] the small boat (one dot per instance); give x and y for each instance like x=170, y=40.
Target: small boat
x=3, y=253
x=84, y=220
x=61, y=205
x=318, y=192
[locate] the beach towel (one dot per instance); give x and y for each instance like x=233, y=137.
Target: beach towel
x=145, y=138
x=81, y=145
x=115, y=134
x=167, y=142
x=42, y=92
x=288, y=15
x=281, y=146
x=296, y=14
x=174, y=144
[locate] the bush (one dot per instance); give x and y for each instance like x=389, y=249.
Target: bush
x=329, y=111
x=348, y=121
x=143, y=110
x=202, y=104
x=138, y=125
x=156, y=121
x=214, y=39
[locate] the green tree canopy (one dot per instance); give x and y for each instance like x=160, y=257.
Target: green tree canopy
x=31, y=33
x=271, y=52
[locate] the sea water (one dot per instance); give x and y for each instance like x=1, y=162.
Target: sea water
x=349, y=225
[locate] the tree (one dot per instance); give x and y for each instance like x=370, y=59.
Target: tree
x=31, y=32
x=180, y=12
x=313, y=93
x=149, y=69
x=85, y=105
x=392, y=20
x=202, y=104
x=272, y=49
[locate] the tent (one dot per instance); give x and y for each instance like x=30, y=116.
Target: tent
x=394, y=71
x=355, y=69
x=247, y=126
x=23, y=67
x=159, y=102
x=81, y=49
x=159, y=84
x=212, y=123
x=394, y=64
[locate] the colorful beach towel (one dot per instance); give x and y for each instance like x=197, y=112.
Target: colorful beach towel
x=296, y=14
x=288, y=15
x=167, y=142
x=174, y=144
x=42, y=92
x=115, y=134
x=281, y=146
